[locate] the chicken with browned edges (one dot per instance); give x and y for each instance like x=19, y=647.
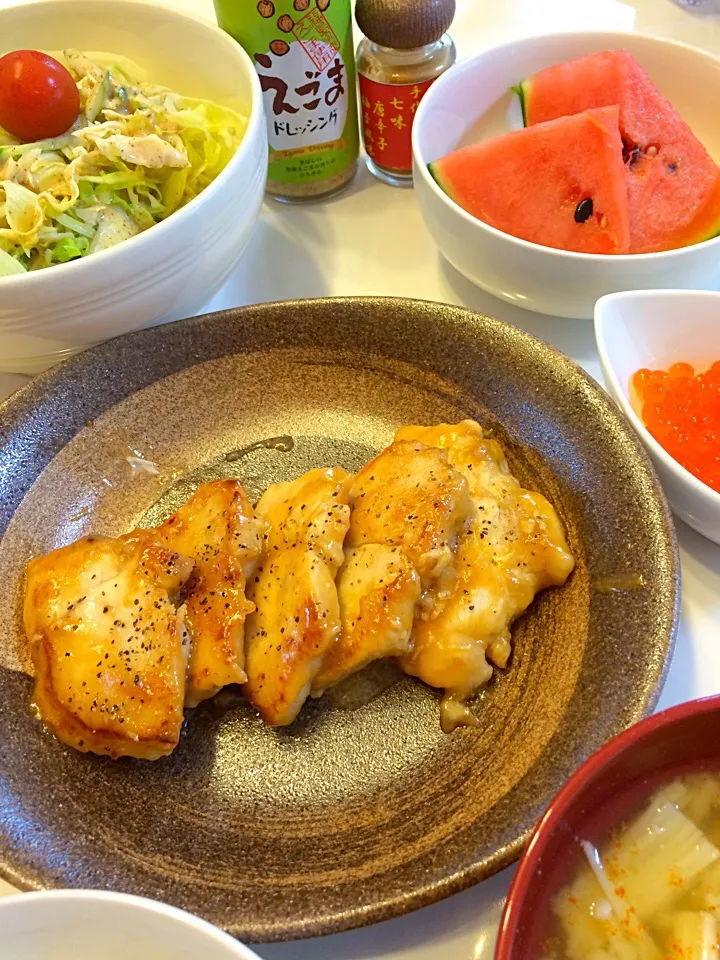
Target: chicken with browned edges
x=108, y=645
x=409, y=507
x=378, y=591
x=410, y=496
x=426, y=556
x=297, y=616
x=514, y=547
x=218, y=529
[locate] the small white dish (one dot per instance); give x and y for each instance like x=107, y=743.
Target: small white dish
x=473, y=101
x=656, y=328
x=95, y=925
x=171, y=270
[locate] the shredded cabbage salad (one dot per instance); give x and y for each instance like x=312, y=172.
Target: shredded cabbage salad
x=136, y=153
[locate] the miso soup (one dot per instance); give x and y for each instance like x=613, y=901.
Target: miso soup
x=652, y=890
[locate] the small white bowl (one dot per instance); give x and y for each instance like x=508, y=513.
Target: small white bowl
x=94, y=925
x=174, y=268
x=473, y=101
x=656, y=328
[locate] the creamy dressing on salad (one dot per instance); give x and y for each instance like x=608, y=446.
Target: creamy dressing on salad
x=137, y=152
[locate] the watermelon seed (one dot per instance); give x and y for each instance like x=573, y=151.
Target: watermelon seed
x=583, y=210
x=672, y=168
x=631, y=153
x=651, y=151
x=634, y=158
x=628, y=149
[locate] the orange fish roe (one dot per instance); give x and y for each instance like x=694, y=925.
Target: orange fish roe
x=681, y=409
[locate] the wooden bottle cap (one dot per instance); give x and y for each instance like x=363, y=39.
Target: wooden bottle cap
x=404, y=24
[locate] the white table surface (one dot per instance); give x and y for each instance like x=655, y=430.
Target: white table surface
x=337, y=248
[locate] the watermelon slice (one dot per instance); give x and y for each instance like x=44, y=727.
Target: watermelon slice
x=561, y=183
x=673, y=183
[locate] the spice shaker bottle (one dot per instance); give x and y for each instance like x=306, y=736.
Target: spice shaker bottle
x=303, y=54
x=404, y=49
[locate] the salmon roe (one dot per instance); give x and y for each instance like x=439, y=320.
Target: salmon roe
x=681, y=409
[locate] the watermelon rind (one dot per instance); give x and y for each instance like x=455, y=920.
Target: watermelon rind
x=715, y=232
x=519, y=89
x=435, y=174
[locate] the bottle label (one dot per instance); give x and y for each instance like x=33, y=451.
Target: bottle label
x=303, y=54
x=388, y=111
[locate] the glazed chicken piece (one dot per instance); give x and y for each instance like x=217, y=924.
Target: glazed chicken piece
x=297, y=615
x=378, y=590
x=514, y=548
x=409, y=508
x=217, y=527
x=312, y=510
x=412, y=497
x=108, y=644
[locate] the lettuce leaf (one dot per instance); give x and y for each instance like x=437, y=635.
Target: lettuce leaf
x=9, y=265
x=70, y=248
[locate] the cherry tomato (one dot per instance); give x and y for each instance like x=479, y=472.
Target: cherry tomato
x=38, y=96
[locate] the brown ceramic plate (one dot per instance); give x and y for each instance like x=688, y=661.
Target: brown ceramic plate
x=352, y=815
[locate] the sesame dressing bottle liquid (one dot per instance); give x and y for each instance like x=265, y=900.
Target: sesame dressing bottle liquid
x=404, y=49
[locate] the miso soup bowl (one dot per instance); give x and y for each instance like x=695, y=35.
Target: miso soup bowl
x=675, y=741
x=474, y=101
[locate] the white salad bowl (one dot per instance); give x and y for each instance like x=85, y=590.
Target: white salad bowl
x=95, y=925
x=172, y=269
x=656, y=328
x=473, y=101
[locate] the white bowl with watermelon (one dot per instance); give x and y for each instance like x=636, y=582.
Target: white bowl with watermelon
x=554, y=170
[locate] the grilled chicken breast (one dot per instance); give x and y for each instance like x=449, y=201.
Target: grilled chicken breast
x=312, y=510
x=410, y=496
x=514, y=548
x=409, y=508
x=297, y=615
x=427, y=555
x=107, y=643
x=378, y=590
x=218, y=529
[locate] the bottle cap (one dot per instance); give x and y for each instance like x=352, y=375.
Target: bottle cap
x=404, y=24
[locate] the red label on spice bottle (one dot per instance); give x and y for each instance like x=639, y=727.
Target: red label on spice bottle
x=388, y=110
